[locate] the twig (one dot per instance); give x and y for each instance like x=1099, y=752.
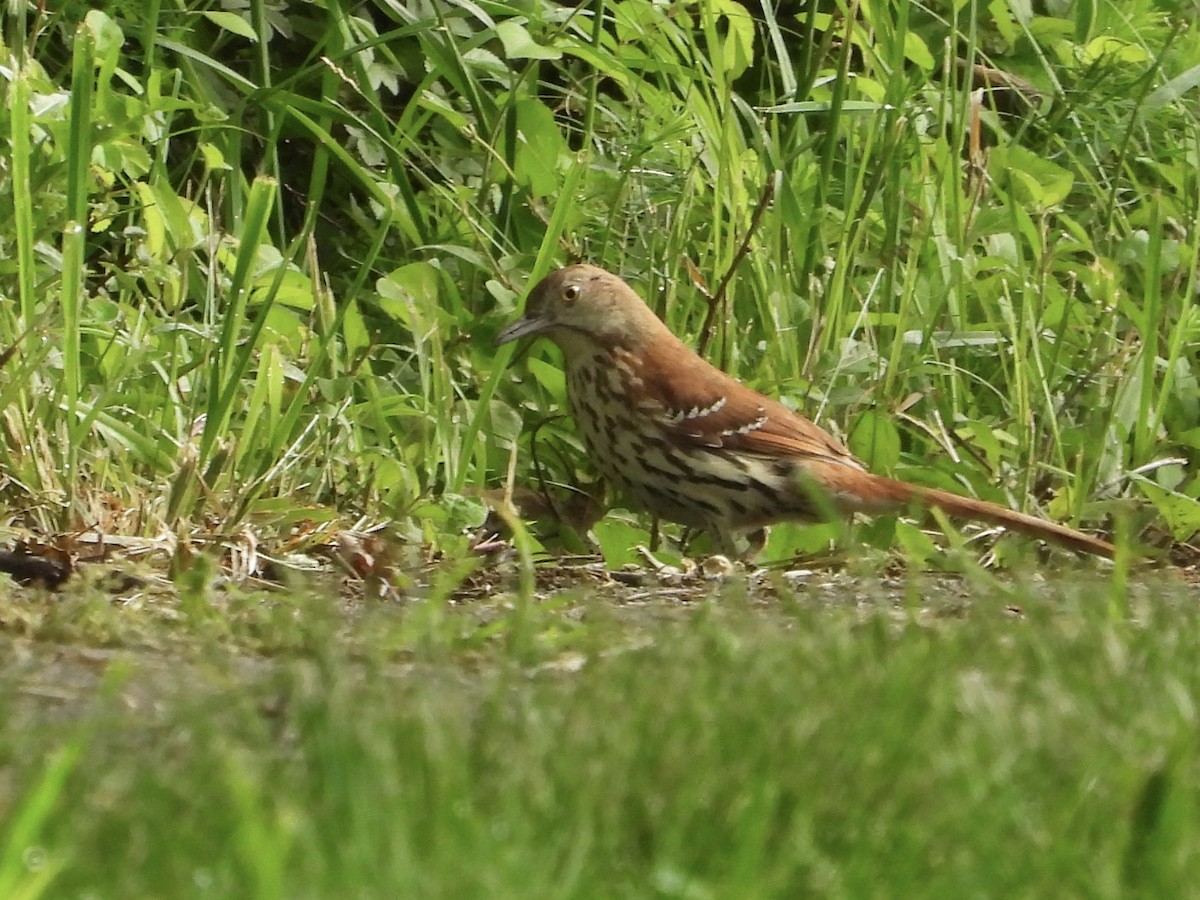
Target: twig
x=718, y=299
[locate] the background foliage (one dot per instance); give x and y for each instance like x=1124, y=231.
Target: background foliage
x=254, y=253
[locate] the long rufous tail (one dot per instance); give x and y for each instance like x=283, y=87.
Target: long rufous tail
x=847, y=489
x=956, y=506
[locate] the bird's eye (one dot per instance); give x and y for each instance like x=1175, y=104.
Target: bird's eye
x=571, y=293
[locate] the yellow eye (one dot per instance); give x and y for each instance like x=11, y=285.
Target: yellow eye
x=571, y=293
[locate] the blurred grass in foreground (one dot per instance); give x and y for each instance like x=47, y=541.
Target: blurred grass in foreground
x=831, y=742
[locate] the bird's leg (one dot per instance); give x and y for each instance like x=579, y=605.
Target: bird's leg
x=725, y=542
x=757, y=540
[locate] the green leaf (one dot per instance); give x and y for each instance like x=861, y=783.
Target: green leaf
x=152, y=222
x=214, y=159
x=917, y=546
x=519, y=43
x=461, y=512
x=550, y=377
x=1189, y=438
x=618, y=541
x=1181, y=513
x=1085, y=19
x=538, y=148
x=789, y=540
x=1111, y=49
x=1002, y=20
x=234, y=23
x=107, y=34
x=983, y=439
x=294, y=290
x=737, y=50
x=875, y=440
x=917, y=53
x=410, y=295
x=354, y=330
x=1031, y=178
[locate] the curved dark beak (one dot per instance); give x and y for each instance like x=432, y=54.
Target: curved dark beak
x=521, y=327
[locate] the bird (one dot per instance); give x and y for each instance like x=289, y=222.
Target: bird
x=691, y=444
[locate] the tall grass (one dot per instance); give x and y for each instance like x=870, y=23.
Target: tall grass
x=261, y=254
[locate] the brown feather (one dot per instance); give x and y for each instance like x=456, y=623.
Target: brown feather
x=692, y=444
x=679, y=381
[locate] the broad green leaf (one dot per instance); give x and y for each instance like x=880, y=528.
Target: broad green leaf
x=283, y=325
x=122, y=155
x=214, y=159
x=737, y=50
x=106, y=33
x=916, y=52
x=506, y=422
x=982, y=437
x=294, y=291
x=1002, y=19
x=916, y=545
x=519, y=43
x=875, y=440
x=153, y=222
x=549, y=376
x=538, y=149
x=619, y=541
x=788, y=540
x=1085, y=19
x=1189, y=438
x=1181, y=513
x=410, y=294
x=1030, y=177
x=462, y=512
x=1113, y=49
x=233, y=23
x=354, y=330
x=186, y=222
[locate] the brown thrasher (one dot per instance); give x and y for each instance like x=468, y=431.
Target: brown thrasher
x=693, y=445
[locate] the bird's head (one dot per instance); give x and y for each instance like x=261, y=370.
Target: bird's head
x=583, y=304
